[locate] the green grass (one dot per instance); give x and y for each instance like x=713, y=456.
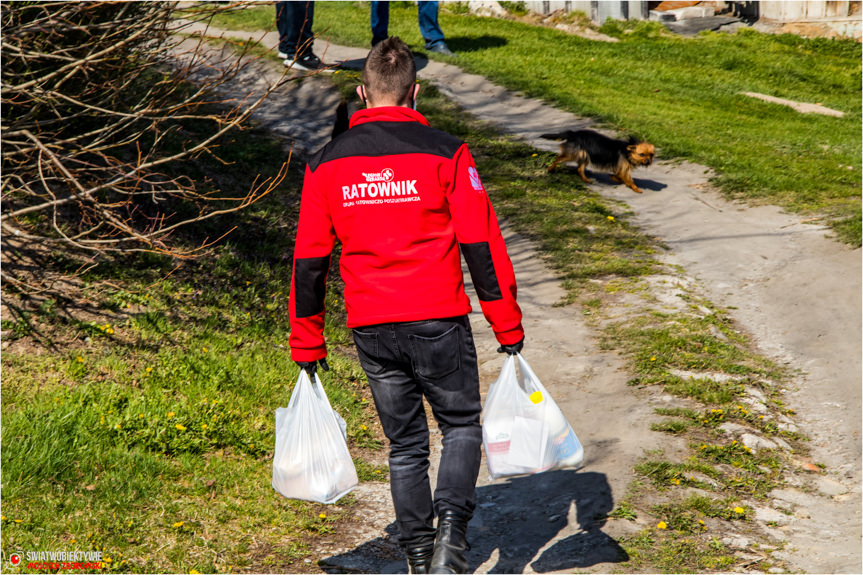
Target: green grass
x=145, y=429
x=682, y=94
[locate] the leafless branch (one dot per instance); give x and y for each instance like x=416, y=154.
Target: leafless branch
x=95, y=97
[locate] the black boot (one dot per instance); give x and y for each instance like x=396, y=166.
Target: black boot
x=450, y=543
x=420, y=555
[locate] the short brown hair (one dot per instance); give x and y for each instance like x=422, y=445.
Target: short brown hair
x=390, y=72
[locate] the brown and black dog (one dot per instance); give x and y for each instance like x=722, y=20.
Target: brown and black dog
x=617, y=156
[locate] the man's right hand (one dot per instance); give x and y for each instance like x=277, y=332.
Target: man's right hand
x=511, y=349
x=312, y=366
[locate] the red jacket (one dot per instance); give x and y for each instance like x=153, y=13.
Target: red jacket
x=403, y=199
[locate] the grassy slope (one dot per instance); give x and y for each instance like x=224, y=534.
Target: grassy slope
x=682, y=94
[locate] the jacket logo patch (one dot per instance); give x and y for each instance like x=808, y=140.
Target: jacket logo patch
x=474, y=179
x=385, y=175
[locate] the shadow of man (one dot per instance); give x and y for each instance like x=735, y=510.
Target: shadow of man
x=559, y=512
x=523, y=516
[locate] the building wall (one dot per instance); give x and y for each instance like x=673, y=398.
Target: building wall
x=598, y=11
x=807, y=10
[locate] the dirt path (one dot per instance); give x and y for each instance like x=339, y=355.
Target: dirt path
x=797, y=293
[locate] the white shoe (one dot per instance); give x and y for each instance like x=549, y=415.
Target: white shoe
x=283, y=56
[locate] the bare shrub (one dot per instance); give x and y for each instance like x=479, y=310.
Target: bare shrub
x=94, y=97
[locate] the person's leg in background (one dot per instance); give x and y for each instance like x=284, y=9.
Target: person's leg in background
x=380, y=21
x=427, y=13
x=294, y=21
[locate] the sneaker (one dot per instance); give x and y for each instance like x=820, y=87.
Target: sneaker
x=283, y=55
x=307, y=61
x=440, y=48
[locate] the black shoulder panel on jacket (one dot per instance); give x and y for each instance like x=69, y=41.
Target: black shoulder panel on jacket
x=387, y=139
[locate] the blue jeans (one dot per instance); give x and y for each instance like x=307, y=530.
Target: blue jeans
x=294, y=22
x=426, y=13
x=436, y=359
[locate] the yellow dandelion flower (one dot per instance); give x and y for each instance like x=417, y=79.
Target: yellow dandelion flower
x=662, y=525
x=170, y=414
x=203, y=426
x=118, y=426
x=322, y=516
x=205, y=350
x=79, y=359
x=701, y=521
x=73, y=541
x=363, y=427
x=19, y=521
x=107, y=560
x=140, y=416
x=179, y=427
x=610, y=218
x=652, y=358
x=2, y=518
x=194, y=572
x=178, y=524
x=377, y=471
x=534, y=155
x=739, y=510
x=149, y=369
x=109, y=331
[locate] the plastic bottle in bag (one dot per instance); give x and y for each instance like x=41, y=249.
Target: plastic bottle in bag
x=567, y=447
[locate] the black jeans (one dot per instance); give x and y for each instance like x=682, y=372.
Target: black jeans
x=436, y=359
x=294, y=22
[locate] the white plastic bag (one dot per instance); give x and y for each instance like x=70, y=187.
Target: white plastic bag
x=523, y=429
x=311, y=460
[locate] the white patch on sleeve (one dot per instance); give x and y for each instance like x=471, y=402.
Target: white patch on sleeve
x=474, y=179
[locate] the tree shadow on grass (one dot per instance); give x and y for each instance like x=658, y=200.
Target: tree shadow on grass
x=474, y=43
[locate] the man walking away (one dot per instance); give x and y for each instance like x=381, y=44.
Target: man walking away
x=404, y=199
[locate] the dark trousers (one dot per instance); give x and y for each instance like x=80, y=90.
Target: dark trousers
x=294, y=22
x=436, y=359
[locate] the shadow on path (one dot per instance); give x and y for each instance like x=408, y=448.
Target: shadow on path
x=520, y=517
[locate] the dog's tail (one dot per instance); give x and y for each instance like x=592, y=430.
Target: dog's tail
x=560, y=136
x=341, y=123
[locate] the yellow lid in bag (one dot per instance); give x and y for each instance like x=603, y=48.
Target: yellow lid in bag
x=536, y=397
